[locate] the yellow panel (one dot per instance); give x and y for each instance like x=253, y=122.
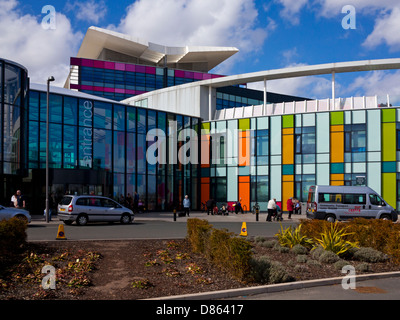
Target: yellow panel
x=337, y=147
x=287, y=192
x=337, y=176
x=287, y=131
x=389, y=188
x=337, y=128
x=287, y=149
x=289, y=177
x=337, y=183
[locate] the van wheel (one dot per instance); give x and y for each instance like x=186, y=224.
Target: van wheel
x=330, y=218
x=82, y=219
x=386, y=217
x=126, y=218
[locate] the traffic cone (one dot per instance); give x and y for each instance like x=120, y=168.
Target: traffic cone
x=243, y=231
x=61, y=233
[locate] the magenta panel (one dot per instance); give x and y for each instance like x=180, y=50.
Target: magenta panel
x=141, y=69
x=151, y=70
x=106, y=89
x=86, y=63
x=109, y=65
x=130, y=67
x=98, y=64
x=198, y=76
x=86, y=87
x=120, y=66
x=119, y=90
x=179, y=73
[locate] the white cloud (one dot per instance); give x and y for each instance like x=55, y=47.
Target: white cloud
x=201, y=23
x=42, y=52
x=291, y=9
x=386, y=30
x=90, y=11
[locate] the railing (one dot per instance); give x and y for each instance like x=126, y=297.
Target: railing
x=306, y=106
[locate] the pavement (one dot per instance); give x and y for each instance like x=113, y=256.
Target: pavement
x=169, y=217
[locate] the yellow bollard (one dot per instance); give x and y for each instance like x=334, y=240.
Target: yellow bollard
x=243, y=231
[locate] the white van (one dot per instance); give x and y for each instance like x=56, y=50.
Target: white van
x=333, y=203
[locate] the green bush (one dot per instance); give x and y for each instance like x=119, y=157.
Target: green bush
x=366, y=254
x=263, y=270
x=290, y=236
x=223, y=248
x=12, y=236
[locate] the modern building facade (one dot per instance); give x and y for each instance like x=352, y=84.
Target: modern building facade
x=251, y=145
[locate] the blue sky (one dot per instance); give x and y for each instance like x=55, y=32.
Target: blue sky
x=269, y=34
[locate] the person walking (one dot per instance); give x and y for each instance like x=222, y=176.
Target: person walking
x=19, y=200
x=289, y=205
x=271, y=208
x=186, y=205
x=135, y=202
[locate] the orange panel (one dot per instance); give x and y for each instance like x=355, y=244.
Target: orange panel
x=337, y=128
x=289, y=177
x=205, y=151
x=205, y=192
x=288, y=131
x=337, y=183
x=244, y=148
x=337, y=147
x=337, y=176
x=244, y=178
x=287, y=149
x=244, y=194
x=287, y=192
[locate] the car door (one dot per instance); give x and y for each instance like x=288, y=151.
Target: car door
x=376, y=204
x=94, y=209
x=111, y=210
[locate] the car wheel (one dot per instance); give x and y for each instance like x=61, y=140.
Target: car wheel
x=82, y=219
x=330, y=218
x=126, y=218
x=22, y=218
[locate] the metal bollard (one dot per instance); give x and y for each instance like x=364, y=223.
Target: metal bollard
x=257, y=213
x=174, y=214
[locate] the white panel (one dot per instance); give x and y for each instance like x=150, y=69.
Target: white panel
x=374, y=130
x=323, y=134
x=374, y=176
x=276, y=183
x=276, y=134
x=322, y=177
x=232, y=184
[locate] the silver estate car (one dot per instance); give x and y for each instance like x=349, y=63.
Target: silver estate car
x=8, y=213
x=84, y=209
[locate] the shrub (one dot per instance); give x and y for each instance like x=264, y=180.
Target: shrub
x=292, y=236
x=299, y=249
x=334, y=239
x=263, y=270
x=328, y=257
x=12, y=238
x=230, y=253
x=198, y=232
x=366, y=254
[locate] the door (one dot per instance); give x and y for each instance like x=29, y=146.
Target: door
x=356, y=205
x=376, y=204
x=111, y=210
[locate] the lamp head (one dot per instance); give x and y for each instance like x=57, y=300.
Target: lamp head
x=51, y=78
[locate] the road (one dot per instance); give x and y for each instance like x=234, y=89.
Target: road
x=152, y=226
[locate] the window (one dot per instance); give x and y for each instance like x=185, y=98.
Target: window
x=330, y=197
x=354, y=199
x=376, y=200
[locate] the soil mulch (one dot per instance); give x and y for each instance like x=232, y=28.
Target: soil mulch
x=138, y=269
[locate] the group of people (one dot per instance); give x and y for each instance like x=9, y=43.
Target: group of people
x=17, y=200
x=275, y=212
x=132, y=202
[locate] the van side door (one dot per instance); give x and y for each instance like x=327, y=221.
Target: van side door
x=356, y=205
x=376, y=204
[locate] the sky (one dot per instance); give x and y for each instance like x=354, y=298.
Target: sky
x=269, y=34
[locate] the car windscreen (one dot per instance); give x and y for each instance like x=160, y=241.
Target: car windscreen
x=65, y=201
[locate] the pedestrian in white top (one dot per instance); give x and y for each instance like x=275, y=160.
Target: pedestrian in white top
x=271, y=208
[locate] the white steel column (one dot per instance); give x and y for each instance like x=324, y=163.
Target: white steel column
x=209, y=103
x=333, y=89
x=265, y=96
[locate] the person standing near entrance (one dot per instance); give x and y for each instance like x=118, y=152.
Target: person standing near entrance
x=271, y=208
x=186, y=205
x=135, y=202
x=19, y=200
x=289, y=205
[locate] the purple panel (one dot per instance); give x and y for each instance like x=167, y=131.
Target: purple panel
x=130, y=67
x=120, y=66
x=198, y=75
x=98, y=64
x=109, y=65
x=141, y=69
x=98, y=88
x=179, y=73
x=74, y=86
x=188, y=75
x=129, y=91
x=119, y=90
x=108, y=89
x=151, y=70
x=206, y=76
x=86, y=87
x=75, y=61
x=86, y=63
x=213, y=76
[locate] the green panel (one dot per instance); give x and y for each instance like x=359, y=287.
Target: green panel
x=337, y=168
x=206, y=126
x=389, y=115
x=337, y=118
x=389, y=141
x=389, y=166
x=389, y=188
x=244, y=124
x=288, y=121
x=287, y=169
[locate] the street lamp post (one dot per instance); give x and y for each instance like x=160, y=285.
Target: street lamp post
x=50, y=79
